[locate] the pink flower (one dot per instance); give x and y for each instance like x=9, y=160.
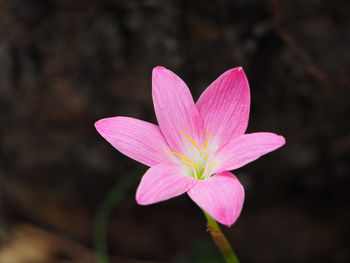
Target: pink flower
x=195, y=145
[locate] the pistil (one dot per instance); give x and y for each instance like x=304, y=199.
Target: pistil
x=198, y=171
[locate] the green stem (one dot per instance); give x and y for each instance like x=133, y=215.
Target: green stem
x=103, y=213
x=220, y=240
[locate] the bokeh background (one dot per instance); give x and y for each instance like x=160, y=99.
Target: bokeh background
x=65, y=64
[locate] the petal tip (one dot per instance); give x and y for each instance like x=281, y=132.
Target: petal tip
x=160, y=72
x=236, y=69
x=236, y=72
x=158, y=68
x=241, y=71
x=282, y=140
x=139, y=201
x=139, y=197
x=99, y=124
x=227, y=220
x=228, y=223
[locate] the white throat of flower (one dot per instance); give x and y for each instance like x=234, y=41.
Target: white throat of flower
x=199, y=166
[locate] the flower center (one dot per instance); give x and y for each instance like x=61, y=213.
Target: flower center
x=198, y=167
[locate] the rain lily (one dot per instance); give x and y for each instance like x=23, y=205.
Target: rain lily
x=195, y=145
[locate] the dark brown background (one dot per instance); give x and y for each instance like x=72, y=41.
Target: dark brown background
x=65, y=64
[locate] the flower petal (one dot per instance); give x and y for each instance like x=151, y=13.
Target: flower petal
x=175, y=109
x=246, y=148
x=162, y=182
x=224, y=106
x=137, y=139
x=221, y=196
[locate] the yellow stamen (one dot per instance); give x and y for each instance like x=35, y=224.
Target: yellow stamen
x=206, y=157
x=190, y=165
x=181, y=156
x=206, y=144
x=209, y=165
x=188, y=137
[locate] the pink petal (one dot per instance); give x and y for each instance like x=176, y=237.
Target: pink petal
x=224, y=106
x=221, y=196
x=137, y=139
x=175, y=109
x=162, y=182
x=246, y=148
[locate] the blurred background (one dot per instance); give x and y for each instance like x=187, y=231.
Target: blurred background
x=65, y=64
